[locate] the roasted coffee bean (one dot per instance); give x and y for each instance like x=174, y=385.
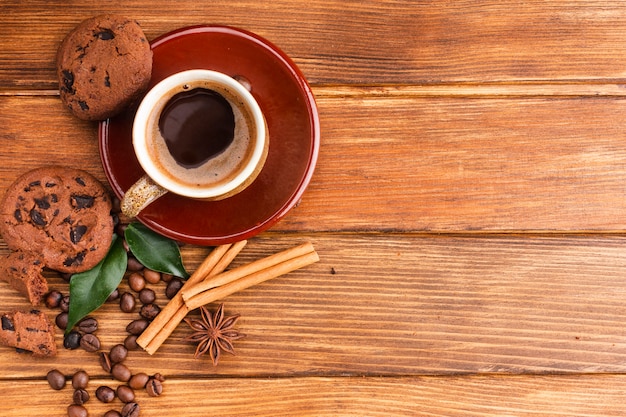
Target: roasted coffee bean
x=130, y=410
x=137, y=327
x=75, y=410
x=130, y=342
x=53, y=299
x=80, y=380
x=173, y=287
x=118, y=353
x=136, y=282
x=153, y=277
x=149, y=311
x=80, y=396
x=138, y=381
x=90, y=342
x=72, y=340
x=125, y=394
x=105, y=394
x=87, y=325
x=134, y=265
x=159, y=377
x=56, y=379
x=127, y=302
x=147, y=296
x=166, y=277
x=154, y=387
x=61, y=320
x=121, y=372
x=64, y=305
x=112, y=413
x=105, y=362
x=114, y=295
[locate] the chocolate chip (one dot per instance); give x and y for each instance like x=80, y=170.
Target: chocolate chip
x=107, y=81
x=76, y=260
x=105, y=35
x=68, y=81
x=80, y=181
x=34, y=183
x=54, y=198
x=51, y=184
x=37, y=218
x=83, y=105
x=18, y=215
x=77, y=233
x=82, y=201
x=7, y=324
x=43, y=203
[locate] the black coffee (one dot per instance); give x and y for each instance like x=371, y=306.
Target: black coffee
x=197, y=125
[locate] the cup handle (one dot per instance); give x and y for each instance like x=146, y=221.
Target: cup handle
x=139, y=195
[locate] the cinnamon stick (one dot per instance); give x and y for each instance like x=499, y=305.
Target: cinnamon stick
x=245, y=270
x=247, y=281
x=174, y=312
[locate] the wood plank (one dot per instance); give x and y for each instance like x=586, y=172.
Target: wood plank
x=463, y=162
x=415, y=42
x=400, y=305
x=589, y=395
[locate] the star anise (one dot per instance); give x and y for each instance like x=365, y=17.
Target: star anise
x=214, y=333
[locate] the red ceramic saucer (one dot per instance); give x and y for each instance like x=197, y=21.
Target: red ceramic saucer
x=294, y=131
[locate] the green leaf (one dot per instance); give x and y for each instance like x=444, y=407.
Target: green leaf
x=90, y=289
x=154, y=251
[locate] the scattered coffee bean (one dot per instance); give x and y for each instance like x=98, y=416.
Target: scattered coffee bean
x=118, y=353
x=136, y=282
x=112, y=413
x=173, y=287
x=137, y=327
x=114, y=295
x=154, y=387
x=138, y=381
x=72, y=340
x=105, y=394
x=159, y=377
x=149, y=311
x=127, y=302
x=166, y=277
x=147, y=296
x=125, y=394
x=87, y=325
x=90, y=342
x=61, y=320
x=75, y=410
x=134, y=265
x=53, y=299
x=80, y=396
x=105, y=362
x=56, y=379
x=64, y=305
x=153, y=277
x=130, y=410
x=121, y=372
x=130, y=342
x=80, y=380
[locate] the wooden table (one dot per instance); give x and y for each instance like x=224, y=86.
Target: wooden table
x=468, y=208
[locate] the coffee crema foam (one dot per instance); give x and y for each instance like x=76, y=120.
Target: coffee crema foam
x=218, y=170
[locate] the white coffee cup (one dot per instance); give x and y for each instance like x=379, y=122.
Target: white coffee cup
x=166, y=162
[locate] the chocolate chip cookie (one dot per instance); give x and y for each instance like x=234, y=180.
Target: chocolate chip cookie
x=103, y=65
x=62, y=213
x=28, y=330
x=23, y=272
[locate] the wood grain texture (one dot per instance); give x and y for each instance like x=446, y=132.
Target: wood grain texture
x=587, y=395
x=359, y=42
x=445, y=163
x=400, y=305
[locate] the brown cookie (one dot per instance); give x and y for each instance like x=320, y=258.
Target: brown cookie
x=64, y=214
x=22, y=270
x=31, y=331
x=103, y=65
